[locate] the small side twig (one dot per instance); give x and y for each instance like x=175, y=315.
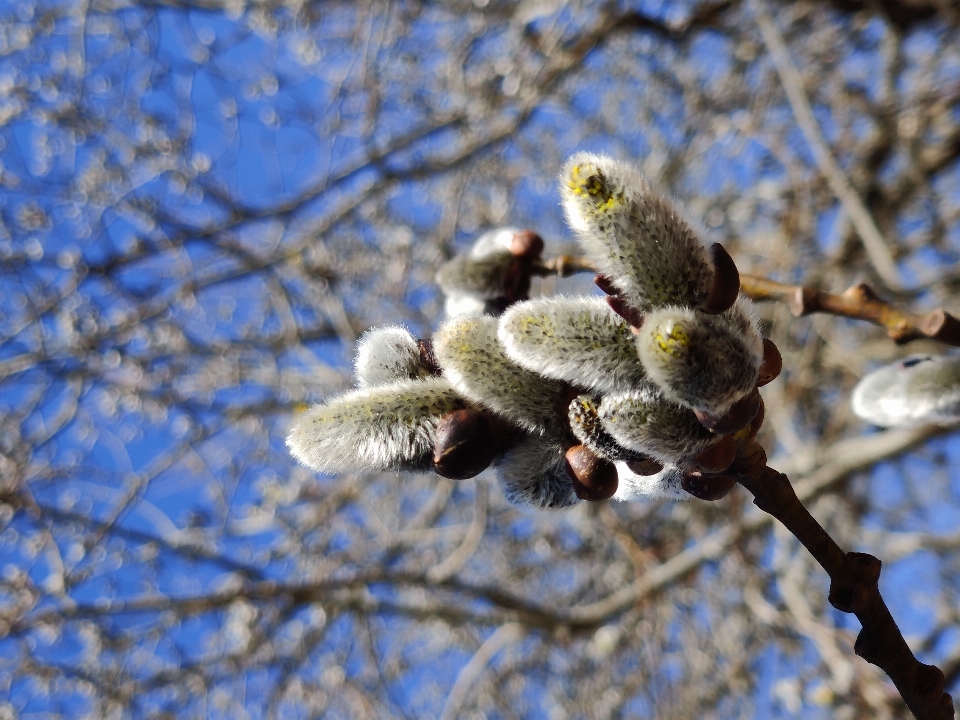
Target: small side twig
x=853, y=588
x=858, y=302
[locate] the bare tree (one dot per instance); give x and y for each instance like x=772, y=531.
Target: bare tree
x=206, y=203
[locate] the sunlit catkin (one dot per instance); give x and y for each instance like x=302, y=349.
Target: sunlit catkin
x=387, y=354
x=705, y=362
x=390, y=426
x=579, y=340
x=634, y=235
x=646, y=422
x=473, y=360
x=668, y=483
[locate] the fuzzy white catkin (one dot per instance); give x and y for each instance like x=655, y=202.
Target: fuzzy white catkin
x=665, y=484
x=634, y=235
x=387, y=354
x=472, y=281
x=532, y=474
x=645, y=422
x=475, y=364
x=578, y=340
x=390, y=426
x=705, y=362
x=917, y=390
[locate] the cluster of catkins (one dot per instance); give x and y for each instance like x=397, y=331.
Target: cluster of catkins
x=644, y=392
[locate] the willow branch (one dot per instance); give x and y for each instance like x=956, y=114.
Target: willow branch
x=854, y=588
x=858, y=302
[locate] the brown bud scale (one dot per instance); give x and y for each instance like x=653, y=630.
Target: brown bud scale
x=707, y=487
x=594, y=478
x=771, y=365
x=738, y=416
x=465, y=445
x=645, y=466
x=726, y=282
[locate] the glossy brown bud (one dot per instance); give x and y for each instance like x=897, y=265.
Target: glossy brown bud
x=605, y=284
x=726, y=282
x=757, y=422
x=771, y=365
x=719, y=457
x=466, y=444
x=593, y=477
x=645, y=466
x=526, y=244
x=622, y=308
x=707, y=487
x=738, y=416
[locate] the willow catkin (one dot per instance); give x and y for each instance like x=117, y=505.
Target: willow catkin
x=579, y=340
x=475, y=364
x=634, y=235
x=387, y=354
x=533, y=474
x=390, y=426
x=705, y=362
x=917, y=390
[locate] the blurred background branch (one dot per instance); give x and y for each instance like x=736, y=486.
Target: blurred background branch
x=205, y=203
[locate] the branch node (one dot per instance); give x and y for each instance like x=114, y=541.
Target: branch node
x=851, y=591
x=802, y=301
x=941, y=326
x=861, y=293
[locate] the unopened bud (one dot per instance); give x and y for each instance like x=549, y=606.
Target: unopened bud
x=708, y=487
x=632, y=316
x=593, y=477
x=645, y=466
x=726, y=282
x=739, y=416
x=526, y=244
x=718, y=458
x=771, y=365
x=466, y=443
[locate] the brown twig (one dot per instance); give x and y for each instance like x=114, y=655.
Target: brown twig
x=853, y=588
x=858, y=302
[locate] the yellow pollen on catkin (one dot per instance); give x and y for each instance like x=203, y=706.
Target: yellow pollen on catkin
x=592, y=183
x=672, y=339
